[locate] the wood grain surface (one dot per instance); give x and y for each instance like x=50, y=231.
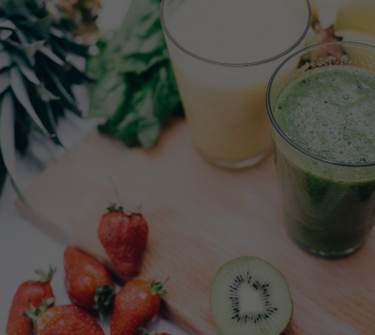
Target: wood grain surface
x=200, y=217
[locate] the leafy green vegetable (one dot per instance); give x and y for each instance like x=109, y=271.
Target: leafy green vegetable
x=135, y=87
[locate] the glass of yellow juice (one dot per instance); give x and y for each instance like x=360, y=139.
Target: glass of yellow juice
x=223, y=53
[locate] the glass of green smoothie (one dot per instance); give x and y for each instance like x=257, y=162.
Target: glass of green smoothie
x=323, y=118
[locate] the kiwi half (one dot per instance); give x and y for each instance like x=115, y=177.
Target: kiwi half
x=250, y=297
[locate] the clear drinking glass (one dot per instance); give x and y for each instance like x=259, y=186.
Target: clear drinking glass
x=223, y=53
x=329, y=205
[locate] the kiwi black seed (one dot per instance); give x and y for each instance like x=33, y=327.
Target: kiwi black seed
x=250, y=297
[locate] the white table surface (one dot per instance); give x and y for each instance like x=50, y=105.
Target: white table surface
x=22, y=247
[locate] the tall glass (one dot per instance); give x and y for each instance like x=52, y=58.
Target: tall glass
x=329, y=204
x=223, y=53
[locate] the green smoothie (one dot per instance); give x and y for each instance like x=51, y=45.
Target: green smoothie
x=329, y=184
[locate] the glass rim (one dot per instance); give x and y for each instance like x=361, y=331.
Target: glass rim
x=279, y=129
x=234, y=64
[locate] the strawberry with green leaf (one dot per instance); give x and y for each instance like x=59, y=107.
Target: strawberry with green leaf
x=29, y=293
x=63, y=320
x=88, y=282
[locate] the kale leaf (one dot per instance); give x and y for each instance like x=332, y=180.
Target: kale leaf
x=135, y=89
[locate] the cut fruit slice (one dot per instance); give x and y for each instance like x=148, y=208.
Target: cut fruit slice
x=250, y=297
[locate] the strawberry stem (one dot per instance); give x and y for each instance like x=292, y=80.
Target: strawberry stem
x=157, y=288
x=34, y=313
x=143, y=331
x=46, y=276
x=115, y=208
x=104, y=301
x=118, y=208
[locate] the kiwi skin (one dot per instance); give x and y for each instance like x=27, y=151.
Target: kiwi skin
x=251, y=259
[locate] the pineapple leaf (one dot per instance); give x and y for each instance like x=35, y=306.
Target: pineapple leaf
x=7, y=135
x=4, y=81
x=64, y=94
x=46, y=95
x=5, y=60
x=52, y=56
x=20, y=92
x=29, y=74
x=20, y=50
x=69, y=44
x=3, y=173
x=23, y=126
x=57, y=33
x=52, y=121
x=77, y=62
x=45, y=114
x=21, y=37
x=31, y=49
x=5, y=34
x=7, y=25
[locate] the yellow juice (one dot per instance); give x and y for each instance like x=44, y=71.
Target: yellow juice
x=224, y=53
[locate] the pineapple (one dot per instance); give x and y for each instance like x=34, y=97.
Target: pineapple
x=84, y=13
x=40, y=62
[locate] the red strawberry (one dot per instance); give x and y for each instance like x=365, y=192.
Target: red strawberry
x=124, y=237
x=88, y=282
x=64, y=320
x=137, y=303
x=29, y=293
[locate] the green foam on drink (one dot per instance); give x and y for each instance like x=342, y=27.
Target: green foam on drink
x=330, y=112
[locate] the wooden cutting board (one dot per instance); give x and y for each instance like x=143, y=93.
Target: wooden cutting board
x=200, y=217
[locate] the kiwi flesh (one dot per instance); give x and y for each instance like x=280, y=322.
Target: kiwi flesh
x=250, y=297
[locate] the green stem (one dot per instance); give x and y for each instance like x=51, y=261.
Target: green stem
x=104, y=301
